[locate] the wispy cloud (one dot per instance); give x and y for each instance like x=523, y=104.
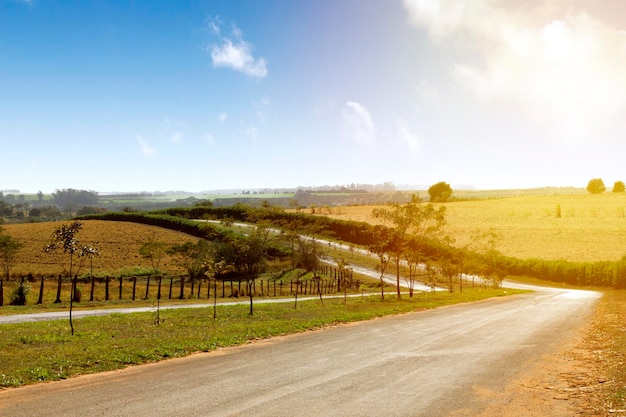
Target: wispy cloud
x=222, y=117
x=236, y=53
x=262, y=109
x=176, y=137
x=408, y=139
x=146, y=149
x=561, y=66
x=358, y=124
x=214, y=23
x=252, y=133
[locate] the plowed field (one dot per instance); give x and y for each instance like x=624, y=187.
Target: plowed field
x=118, y=243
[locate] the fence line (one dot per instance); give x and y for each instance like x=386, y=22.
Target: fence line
x=100, y=289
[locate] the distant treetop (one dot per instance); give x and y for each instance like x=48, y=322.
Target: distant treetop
x=596, y=186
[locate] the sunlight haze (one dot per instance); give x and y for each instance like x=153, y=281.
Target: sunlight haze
x=233, y=94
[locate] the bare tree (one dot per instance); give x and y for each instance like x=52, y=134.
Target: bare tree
x=64, y=239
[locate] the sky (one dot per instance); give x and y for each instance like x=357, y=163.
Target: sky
x=154, y=95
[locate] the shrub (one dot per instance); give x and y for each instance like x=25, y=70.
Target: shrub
x=19, y=294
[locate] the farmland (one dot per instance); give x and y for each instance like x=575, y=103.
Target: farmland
x=118, y=242
x=590, y=227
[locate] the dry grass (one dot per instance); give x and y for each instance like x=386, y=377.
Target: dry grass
x=118, y=242
x=590, y=228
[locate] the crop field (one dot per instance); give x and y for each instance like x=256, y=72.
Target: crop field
x=118, y=243
x=571, y=227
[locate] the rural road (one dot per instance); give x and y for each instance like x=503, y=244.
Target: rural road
x=438, y=362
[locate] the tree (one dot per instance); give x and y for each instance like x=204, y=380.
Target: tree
x=596, y=186
x=421, y=221
x=9, y=247
x=192, y=257
x=381, y=249
x=619, y=187
x=153, y=251
x=248, y=256
x=64, y=239
x=440, y=192
x=309, y=257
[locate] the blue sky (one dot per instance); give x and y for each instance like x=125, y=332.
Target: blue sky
x=151, y=95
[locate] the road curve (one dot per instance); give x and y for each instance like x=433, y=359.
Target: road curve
x=426, y=363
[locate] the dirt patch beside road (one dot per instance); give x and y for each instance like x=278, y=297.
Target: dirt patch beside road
x=575, y=380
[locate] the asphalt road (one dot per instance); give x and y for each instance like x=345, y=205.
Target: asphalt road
x=427, y=363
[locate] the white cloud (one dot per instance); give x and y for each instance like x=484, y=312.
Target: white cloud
x=176, y=137
x=408, y=139
x=210, y=139
x=358, y=124
x=252, y=133
x=222, y=117
x=560, y=66
x=238, y=56
x=262, y=109
x=214, y=24
x=146, y=149
x=427, y=92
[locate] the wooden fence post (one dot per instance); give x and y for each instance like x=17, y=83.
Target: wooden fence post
x=121, y=281
x=147, y=288
x=134, y=287
x=106, y=288
x=40, y=299
x=182, y=287
x=91, y=289
x=171, y=284
x=159, y=290
x=59, y=282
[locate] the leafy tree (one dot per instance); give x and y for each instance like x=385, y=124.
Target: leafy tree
x=309, y=257
x=596, y=186
x=153, y=251
x=619, y=187
x=381, y=248
x=440, y=192
x=345, y=273
x=193, y=257
x=420, y=221
x=248, y=256
x=9, y=247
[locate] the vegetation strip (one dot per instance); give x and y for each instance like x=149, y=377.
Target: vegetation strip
x=46, y=351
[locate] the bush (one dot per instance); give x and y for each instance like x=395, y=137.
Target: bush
x=20, y=293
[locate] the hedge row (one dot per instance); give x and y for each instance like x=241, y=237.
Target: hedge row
x=198, y=229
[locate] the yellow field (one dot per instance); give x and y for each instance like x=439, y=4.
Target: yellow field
x=591, y=227
x=118, y=242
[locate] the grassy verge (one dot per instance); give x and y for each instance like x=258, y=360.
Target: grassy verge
x=45, y=351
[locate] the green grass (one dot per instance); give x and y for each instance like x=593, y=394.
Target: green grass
x=45, y=351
